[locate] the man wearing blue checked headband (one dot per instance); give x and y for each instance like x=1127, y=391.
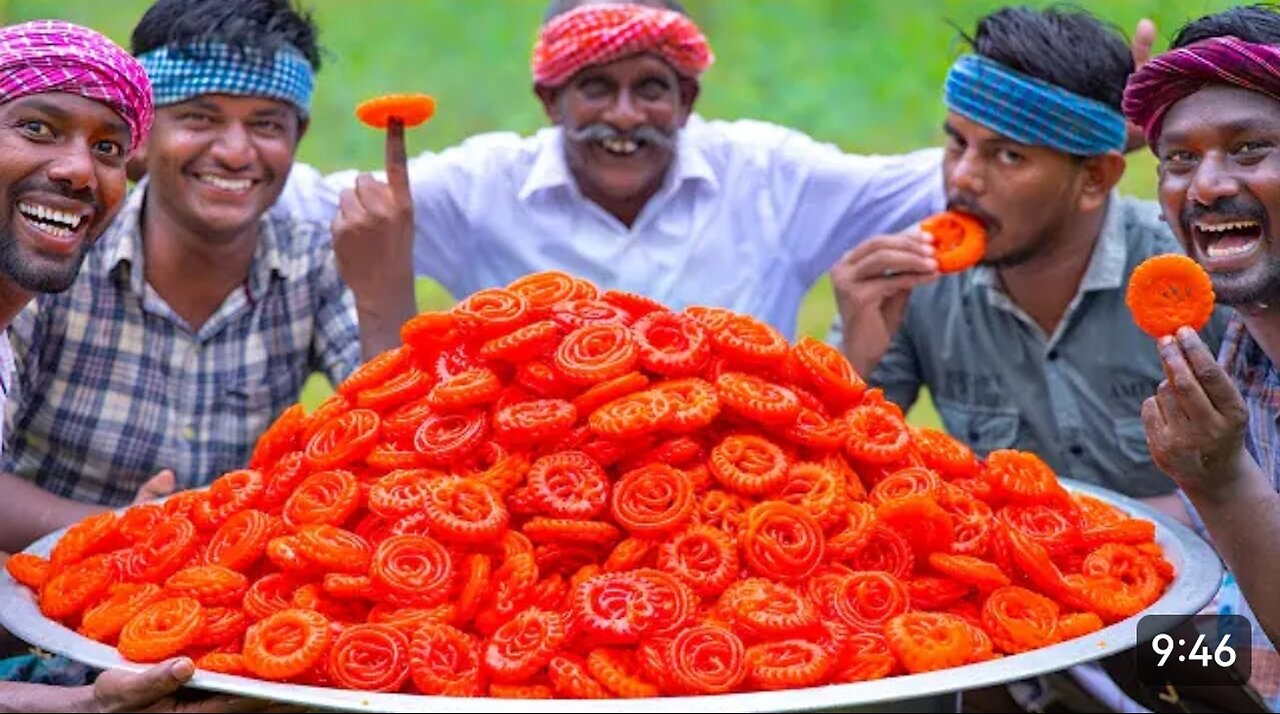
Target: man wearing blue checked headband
x=1034, y=348
x=208, y=312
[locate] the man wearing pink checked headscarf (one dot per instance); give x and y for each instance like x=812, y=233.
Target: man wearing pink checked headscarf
x=1210, y=108
x=73, y=106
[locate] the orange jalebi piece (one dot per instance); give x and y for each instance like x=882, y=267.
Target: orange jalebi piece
x=596, y=353
x=286, y=644
x=927, y=641
x=671, y=344
x=373, y=658
x=161, y=630
x=652, y=500
x=409, y=109
x=1019, y=620
x=1167, y=292
x=782, y=541
x=959, y=240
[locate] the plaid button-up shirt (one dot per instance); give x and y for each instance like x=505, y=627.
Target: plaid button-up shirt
x=1259, y=383
x=112, y=385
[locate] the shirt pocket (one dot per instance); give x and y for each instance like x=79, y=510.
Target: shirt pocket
x=1131, y=438
x=984, y=429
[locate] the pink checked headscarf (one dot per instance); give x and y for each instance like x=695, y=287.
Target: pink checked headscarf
x=597, y=34
x=1174, y=75
x=53, y=56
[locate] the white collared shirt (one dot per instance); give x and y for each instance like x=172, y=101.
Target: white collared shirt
x=749, y=217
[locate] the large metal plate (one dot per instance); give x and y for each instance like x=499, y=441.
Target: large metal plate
x=1199, y=572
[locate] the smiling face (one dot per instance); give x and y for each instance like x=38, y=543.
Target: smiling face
x=620, y=121
x=217, y=162
x=1219, y=153
x=1022, y=194
x=62, y=179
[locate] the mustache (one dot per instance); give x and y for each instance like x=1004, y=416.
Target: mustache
x=967, y=204
x=600, y=131
x=32, y=185
x=1231, y=207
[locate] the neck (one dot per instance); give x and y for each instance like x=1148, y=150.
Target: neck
x=12, y=300
x=192, y=271
x=1045, y=284
x=626, y=209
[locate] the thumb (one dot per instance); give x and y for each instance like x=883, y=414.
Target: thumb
x=162, y=484
x=1144, y=38
x=119, y=690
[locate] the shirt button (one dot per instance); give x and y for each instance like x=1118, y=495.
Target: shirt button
x=973, y=435
x=1053, y=355
x=1076, y=450
x=188, y=432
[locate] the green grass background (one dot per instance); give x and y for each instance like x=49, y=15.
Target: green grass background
x=863, y=74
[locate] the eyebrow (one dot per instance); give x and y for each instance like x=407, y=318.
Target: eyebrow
x=212, y=107
x=56, y=111
x=1236, y=126
x=48, y=107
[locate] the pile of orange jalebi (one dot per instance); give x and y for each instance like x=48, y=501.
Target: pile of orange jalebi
x=556, y=491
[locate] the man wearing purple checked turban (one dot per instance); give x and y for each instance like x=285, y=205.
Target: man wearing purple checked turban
x=73, y=107
x=1210, y=108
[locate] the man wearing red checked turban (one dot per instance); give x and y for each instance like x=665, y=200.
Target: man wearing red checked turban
x=629, y=187
x=1210, y=108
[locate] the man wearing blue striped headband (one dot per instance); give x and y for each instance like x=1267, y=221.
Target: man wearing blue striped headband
x=209, y=312
x=1034, y=348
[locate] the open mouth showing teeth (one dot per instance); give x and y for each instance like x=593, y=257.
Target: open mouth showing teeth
x=226, y=184
x=621, y=147
x=1228, y=239
x=50, y=220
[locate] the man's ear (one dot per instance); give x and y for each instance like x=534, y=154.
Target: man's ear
x=304, y=123
x=1101, y=174
x=550, y=97
x=689, y=90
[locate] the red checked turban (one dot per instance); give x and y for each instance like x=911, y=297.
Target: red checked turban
x=597, y=34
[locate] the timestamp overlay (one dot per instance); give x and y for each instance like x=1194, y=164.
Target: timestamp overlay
x=1202, y=651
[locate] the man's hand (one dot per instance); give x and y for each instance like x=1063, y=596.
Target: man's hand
x=1195, y=423
x=873, y=282
x=158, y=486
x=373, y=242
x=1144, y=38
x=153, y=691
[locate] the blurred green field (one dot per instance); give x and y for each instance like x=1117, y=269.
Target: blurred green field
x=865, y=75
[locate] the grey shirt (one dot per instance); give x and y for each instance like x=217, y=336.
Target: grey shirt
x=1073, y=397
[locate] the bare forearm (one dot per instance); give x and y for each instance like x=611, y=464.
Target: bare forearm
x=30, y=512
x=23, y=697
x=1244, y=522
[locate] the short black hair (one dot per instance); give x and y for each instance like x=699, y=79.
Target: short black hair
x=1062, y=45
x=560, y=7
x=263, y=26
x=1259, y=24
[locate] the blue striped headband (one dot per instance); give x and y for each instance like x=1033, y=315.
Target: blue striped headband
x=180, y=73
x=1031, y=111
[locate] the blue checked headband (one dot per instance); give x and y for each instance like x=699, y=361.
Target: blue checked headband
x=180, y=73
x=1031, y=111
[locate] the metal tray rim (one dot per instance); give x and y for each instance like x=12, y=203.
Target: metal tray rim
x=1199, y=574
